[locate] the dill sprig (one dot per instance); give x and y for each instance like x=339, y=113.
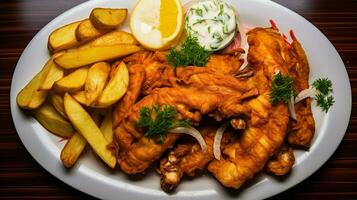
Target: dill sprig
x=323, y=85
x=281, y=89
x=158, y=120
x=191, y=53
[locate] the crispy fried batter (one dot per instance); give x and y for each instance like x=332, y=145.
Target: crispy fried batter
x=302, y=130
x=188, y=157
x=136, y=79
x=282, y=162
x=222, y=91
x=138, y=152
x=266, y=128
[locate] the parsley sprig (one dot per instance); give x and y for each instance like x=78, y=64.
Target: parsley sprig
x=158, y=120
x=324, y=99
x=281, y=89
x=191, y=53
x=323, y=85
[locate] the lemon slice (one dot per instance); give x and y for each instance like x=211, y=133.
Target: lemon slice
x=157, y=24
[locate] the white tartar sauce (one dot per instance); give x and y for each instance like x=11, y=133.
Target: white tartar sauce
x=213, y=22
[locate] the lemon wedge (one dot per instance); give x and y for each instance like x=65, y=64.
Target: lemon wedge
x=157, y=24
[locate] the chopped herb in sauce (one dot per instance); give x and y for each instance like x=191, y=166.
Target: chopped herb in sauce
x=199, y=12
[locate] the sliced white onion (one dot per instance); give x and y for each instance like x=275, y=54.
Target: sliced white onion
x=309, y=92
x=245, y=57
x=194, y=133
x=277, y=71
x=217, y=141
x=291, y=106
x=243, y=39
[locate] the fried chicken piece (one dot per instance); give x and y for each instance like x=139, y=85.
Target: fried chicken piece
x=265, y=130
x=303, y=129
x=190, y=102
x=282, y=162
x=261, y=139
x=187, y=158
x=136, y=79
x=158, y=75
x=141, y=57
x=138, y=152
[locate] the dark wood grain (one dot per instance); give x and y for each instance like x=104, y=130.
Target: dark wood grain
x=20, y=175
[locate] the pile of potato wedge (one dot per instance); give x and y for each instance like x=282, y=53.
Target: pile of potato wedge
x=73, y=94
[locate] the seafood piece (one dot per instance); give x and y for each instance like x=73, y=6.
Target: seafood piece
x=187, y=158
x=138, y=152
x=302, y=130
x=265, y=130
x=136, y=79
x=282, y=162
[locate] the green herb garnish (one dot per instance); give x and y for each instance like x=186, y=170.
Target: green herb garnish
x=281, y=89
x=325, y=102
x=158, y=120
x=191, y=53
x=323, y=99
x=323, y=85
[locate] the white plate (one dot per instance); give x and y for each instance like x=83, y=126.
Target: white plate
x=92, y=177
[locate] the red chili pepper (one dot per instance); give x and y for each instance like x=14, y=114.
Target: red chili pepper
x=292, y=35
x=273, y=24
x=286, y=41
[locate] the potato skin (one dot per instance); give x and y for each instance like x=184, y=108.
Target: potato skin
x=86, y=31
x=67, y=35
x=107, y=23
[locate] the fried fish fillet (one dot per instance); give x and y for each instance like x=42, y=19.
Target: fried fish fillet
x=191, y=102
x=281, y=163
x=136, y=80
x=136, y=152
x=267, y=124
x=187, y=158
x=302, y=130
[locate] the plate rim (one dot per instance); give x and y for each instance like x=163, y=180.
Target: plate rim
x=70, y=11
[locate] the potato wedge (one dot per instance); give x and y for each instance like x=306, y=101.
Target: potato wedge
x=111, y=38
x=74, y=147
x=52, y=121
x=29, y=97
x=85, y=125
x=63, y=38
x=80, y=96
x=107, y=18
x=86, y=31
x=72, y=150
x=82, y=57
x=95, y=82
x=73, y=81
x=57, y=102
x=107, y=126
x=38, y=98
x=115, y=88
x=54, y=74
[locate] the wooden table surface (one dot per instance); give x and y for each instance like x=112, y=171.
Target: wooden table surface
x=22, y=177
